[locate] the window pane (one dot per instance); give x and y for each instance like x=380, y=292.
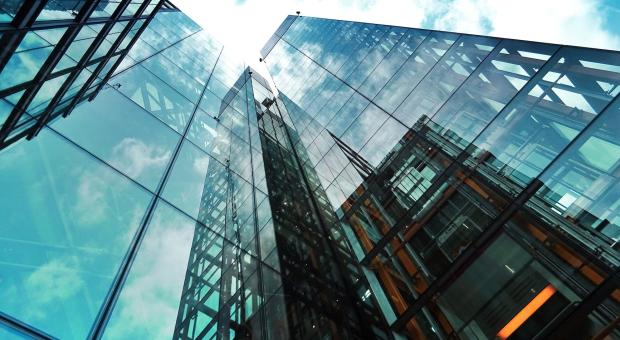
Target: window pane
x=23, y=66
x=445, y=77
x=487, y=91
x=198, y=180
x=541, y=121
x=155, y=96
x=174, y=76
x=364, y=127
x=67, y=223
x=582, y=187
x=413, y=71
x=121, y=133
x=148, y=305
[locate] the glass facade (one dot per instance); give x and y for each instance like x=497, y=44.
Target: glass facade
x=396, y=183
x=55, y=54
x=474, y=178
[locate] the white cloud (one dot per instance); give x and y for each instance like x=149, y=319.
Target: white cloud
x=52, y=283
x=148, y=304
x=133, y=157
x=201, y=165
x=90, y=202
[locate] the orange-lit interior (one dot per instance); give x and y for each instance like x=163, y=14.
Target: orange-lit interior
x=526, y=312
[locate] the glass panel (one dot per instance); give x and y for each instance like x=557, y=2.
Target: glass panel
x=31, y=41
x=5, y=111
x=60, y=9
x=487, y=91
x=529, y=133
x=23, y=66
x=8, y=333
x=217, y=87
x=504, y=281
x=104, y=9
x=382, y=143
x=174, y=76
x=67, y=223
x=8, y=9
x=445, y=77
x=211, y=104
x=414, y=70
x=141, y=50
x=390, y=38
x=45, y=94
x=364, y=127
x=148, y=304
x=582, y=187
x=209, y=135
x=392, y=62
x=191, y=65
x=115, y=129
x=197, y=180
x=347, y=114
x=155, y=96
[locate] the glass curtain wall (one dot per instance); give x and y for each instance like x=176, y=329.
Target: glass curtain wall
x=474, y=177
x=144, y=215
x=56, y=54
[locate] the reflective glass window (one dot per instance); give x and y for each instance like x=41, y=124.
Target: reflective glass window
x=123, y=134
x=174, y=76
x=67, y=223
x=392, y=62
x=347, y=114
x=155, y=96
x=60, y=9
x=414, y=69
x=555, y=106
x=148, y=304
x=198, y=185
x=383, y=142
x=446, y=76
x=583, y=186
x=364, y=126
x=488, y=90
x=23, y=66
x=8, y=9
x=47, y=91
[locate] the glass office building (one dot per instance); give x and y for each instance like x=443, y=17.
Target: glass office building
x=396, y=183
x=475, y=178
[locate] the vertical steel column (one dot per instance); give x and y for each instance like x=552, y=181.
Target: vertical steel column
x=47, y=113
x=107, y=77
x=24, y=18
x=57, y=53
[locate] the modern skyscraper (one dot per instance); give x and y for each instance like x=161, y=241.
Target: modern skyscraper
x=397, y=183
x=475, y=178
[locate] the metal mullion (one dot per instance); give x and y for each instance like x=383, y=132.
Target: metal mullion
x=491, y=232
x=25, y=17
x=107, y=77
x=96, y=43
x=461, y=158
x=51, y=24
x=114, y=292
x=20, y=87
x=52, y=60
x=23, y=328
x=45, y=115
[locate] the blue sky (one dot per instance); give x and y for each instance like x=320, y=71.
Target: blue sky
x=245, y=25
